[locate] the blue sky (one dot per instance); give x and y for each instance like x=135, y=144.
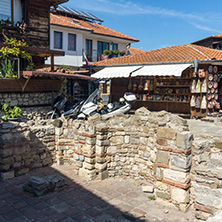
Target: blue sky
x=157, y=23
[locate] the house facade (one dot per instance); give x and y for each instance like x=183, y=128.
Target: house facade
x=78, y=34
x=214, y=42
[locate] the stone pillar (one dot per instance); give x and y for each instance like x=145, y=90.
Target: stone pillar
x=172, y=167
x=102, y=143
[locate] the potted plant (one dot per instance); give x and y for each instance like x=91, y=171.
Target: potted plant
x=11, y=113
x=122, y=53
x=106, y=52
x=11, y=49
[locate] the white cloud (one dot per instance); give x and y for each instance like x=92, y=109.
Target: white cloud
x=203, y=27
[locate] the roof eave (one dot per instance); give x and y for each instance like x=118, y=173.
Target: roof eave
x=56, y=2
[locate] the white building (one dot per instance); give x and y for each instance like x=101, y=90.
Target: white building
x=77, y=32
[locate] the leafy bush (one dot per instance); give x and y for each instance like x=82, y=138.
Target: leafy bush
x=106, y=52
x=11, y=112
x=7, y=68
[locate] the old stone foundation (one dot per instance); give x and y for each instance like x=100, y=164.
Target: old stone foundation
x=156, y=147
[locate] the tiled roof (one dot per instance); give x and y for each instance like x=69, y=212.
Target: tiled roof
x=134, y=51
x=218, y=35
x=87, y=26
x=172, y=54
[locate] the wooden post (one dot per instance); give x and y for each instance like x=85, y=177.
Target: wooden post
x=52, y=62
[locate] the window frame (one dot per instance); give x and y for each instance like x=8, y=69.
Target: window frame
x=102, y=44
x=61, y=39
x=89, y=57
x=73, y=50
x=115, y=45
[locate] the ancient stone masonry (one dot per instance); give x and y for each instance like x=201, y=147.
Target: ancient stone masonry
x=34, y=105
x=24, y=146
x=155, y=147
x=206, y=175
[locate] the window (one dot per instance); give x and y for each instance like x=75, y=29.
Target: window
x=6, y=10
x=71, y=42
x=101, y=46
x=14, y=13
x=114, y=46
x=89, y=49
x=58, y=40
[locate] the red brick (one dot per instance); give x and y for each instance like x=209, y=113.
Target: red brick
x=203, y=208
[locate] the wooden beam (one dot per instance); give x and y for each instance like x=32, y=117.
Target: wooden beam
x=26, y=83
x=52, y=62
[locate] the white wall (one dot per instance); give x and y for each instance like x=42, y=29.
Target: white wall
x=75, y=58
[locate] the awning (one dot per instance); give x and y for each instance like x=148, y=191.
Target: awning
x=115, y=72
x=161, y=70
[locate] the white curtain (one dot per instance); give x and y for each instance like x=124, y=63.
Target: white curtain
x=17, y=11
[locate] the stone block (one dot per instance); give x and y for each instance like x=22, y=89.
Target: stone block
x=159, y=172
x=88, y=149
x=116, y=140
x=163, y=157
x=148, y=188
x=135, y=140
x=161, y=186
x=4, y=167
x=127, y=139
x=208, y=196
x=162, y=142
x=218, y=144
x=91, y=141
x=46, y=161
x=8, y=175
x=88, y=166
x=103, y=175
x=57, y=123
x=87, y=174
x=58, y=131
x=179, y=195
x=165, y=133
x=100, y=149
x=6, y=152
x=90, y=160
x=163, y=195
x=22, y=171
x=102, y=142
x=111, y=149
x=184, y=140
x=181, y=161
x=176, y=176
x=101, y=167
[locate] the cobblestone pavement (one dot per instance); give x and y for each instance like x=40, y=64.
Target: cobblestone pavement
x=110, y=200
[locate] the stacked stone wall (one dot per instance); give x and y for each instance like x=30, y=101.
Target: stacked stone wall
x=25, y=146
x=206, y=175
x=154, y=147
x=34, y=105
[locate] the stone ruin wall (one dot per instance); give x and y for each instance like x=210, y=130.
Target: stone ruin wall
x=153, y=147
x=25, y=146
x=34, y=105
x=206, y=176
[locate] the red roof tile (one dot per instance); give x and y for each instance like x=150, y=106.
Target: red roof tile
x=87, y=26
x=172, y=54
x=134, y=51
x=218, y=35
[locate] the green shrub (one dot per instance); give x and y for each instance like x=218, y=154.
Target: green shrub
x=11, y=112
